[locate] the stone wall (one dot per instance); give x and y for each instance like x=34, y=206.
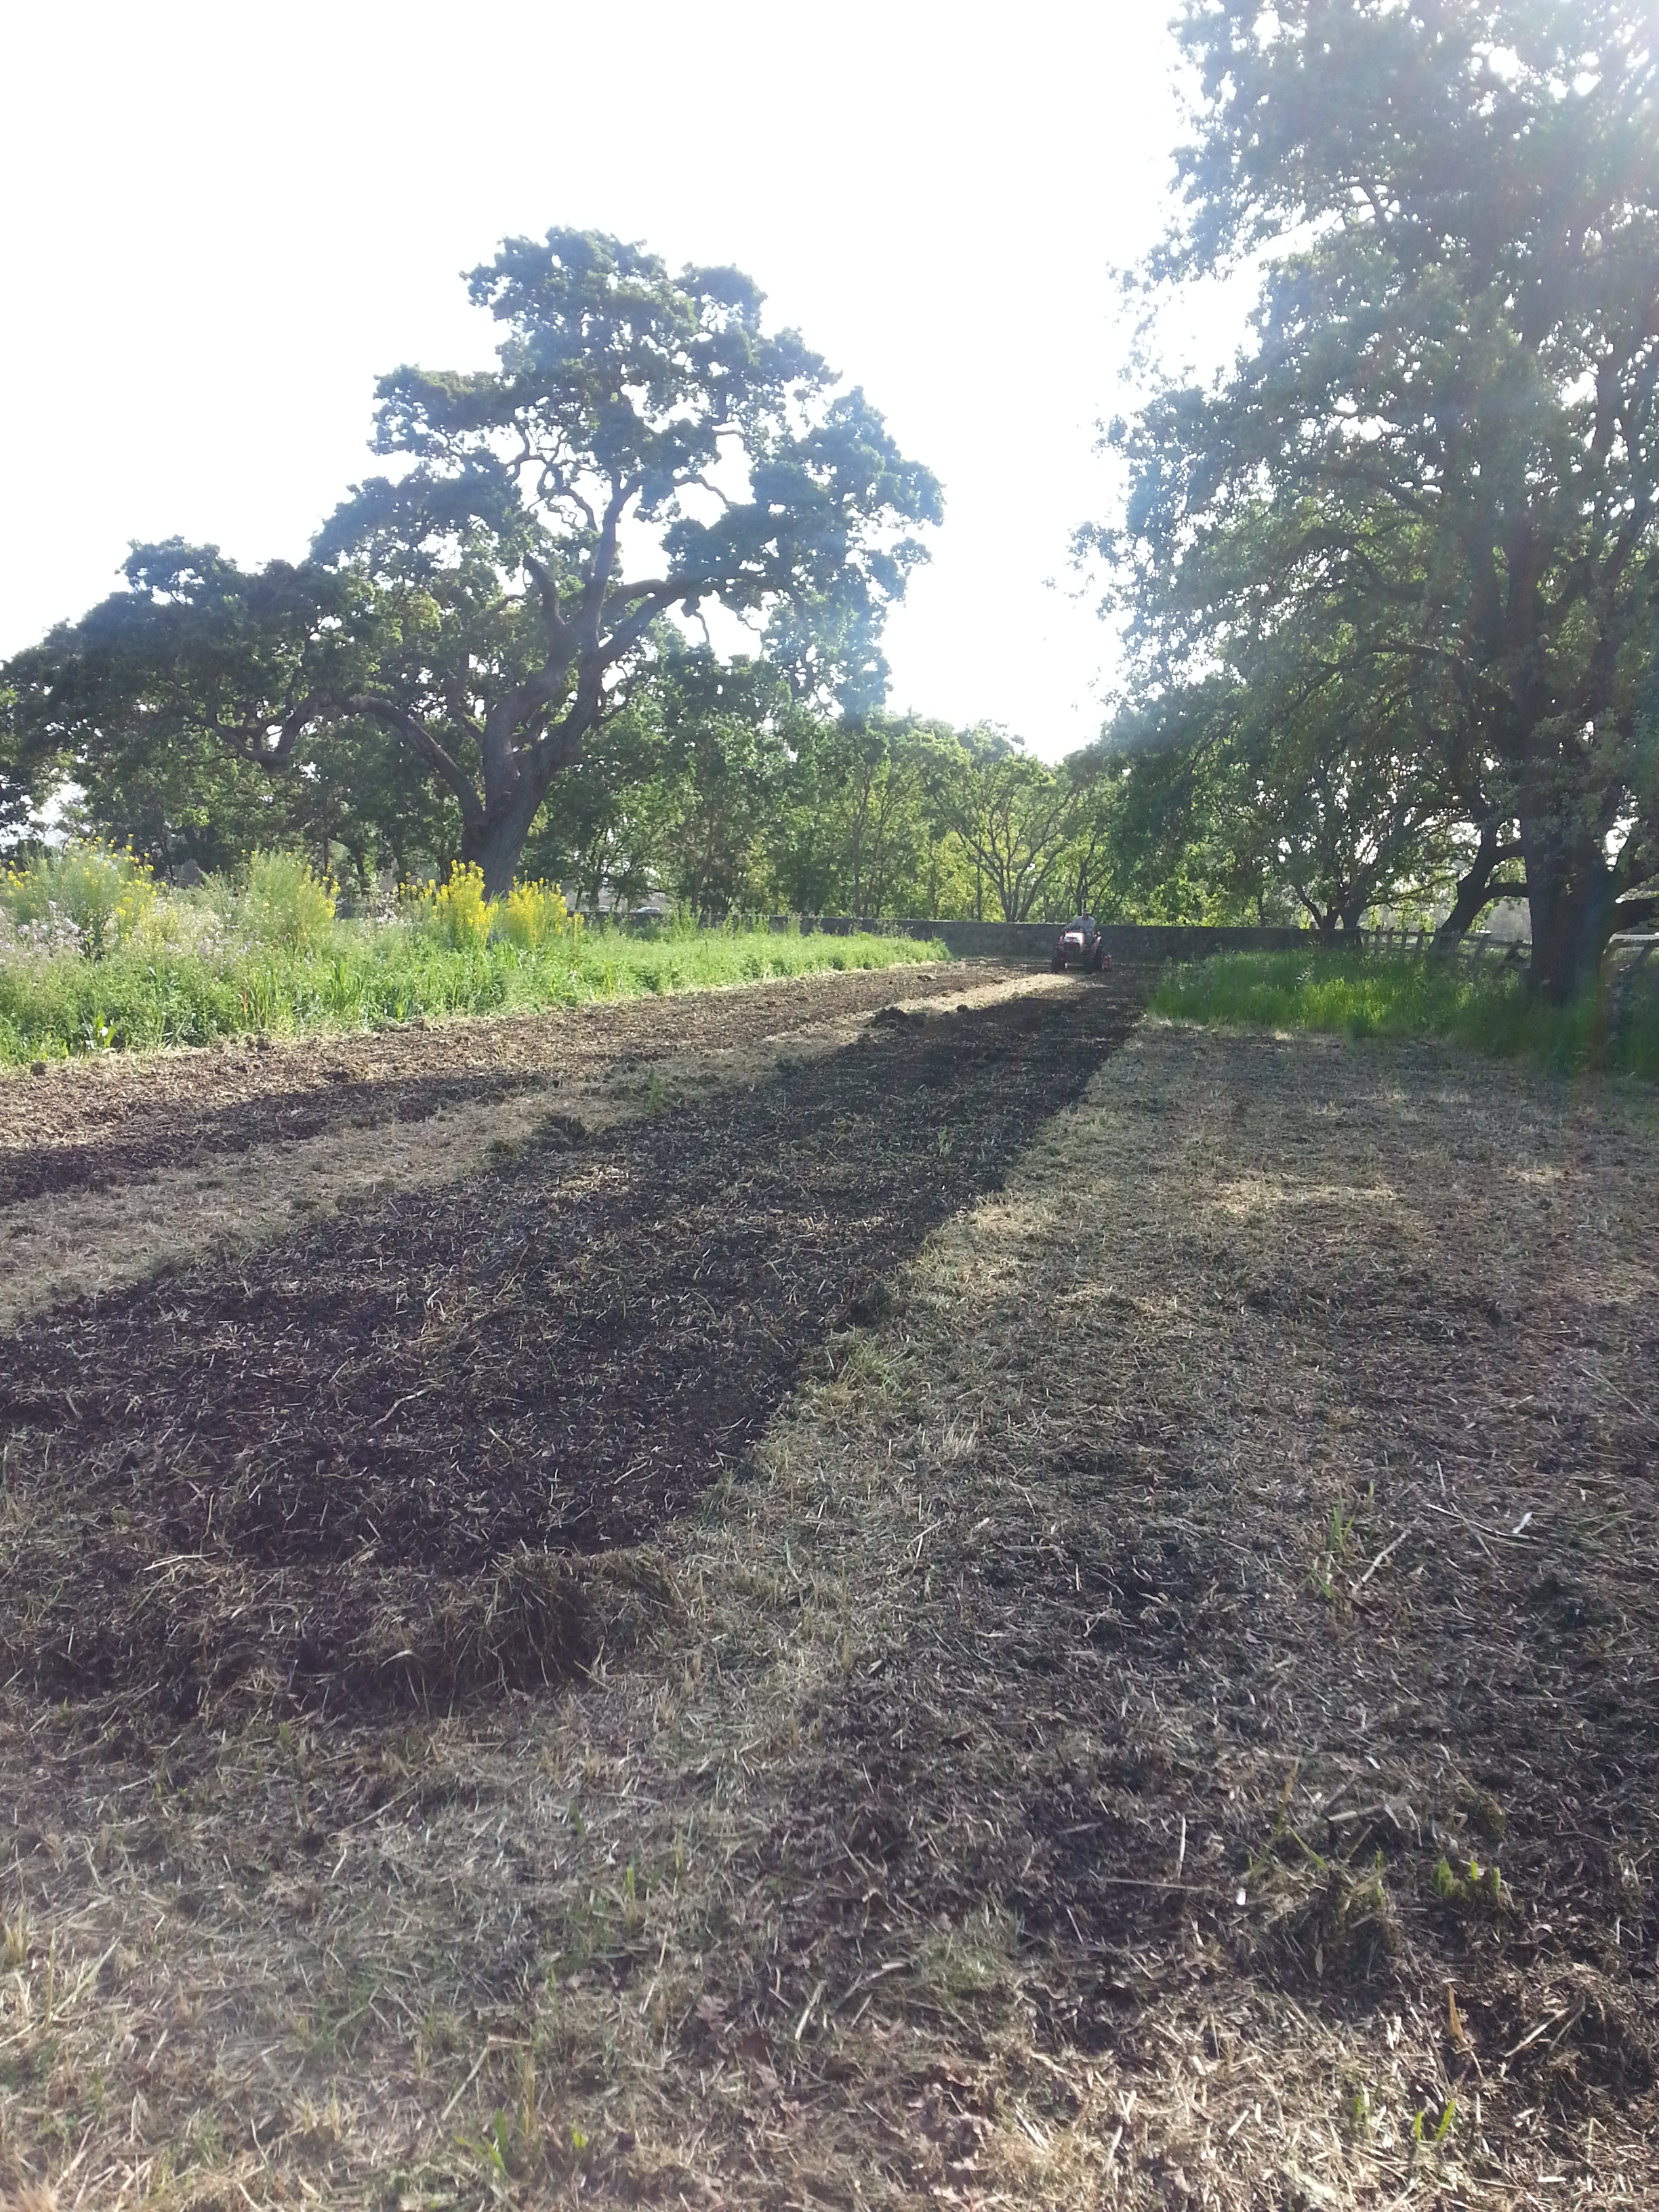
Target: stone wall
x=1127, y=942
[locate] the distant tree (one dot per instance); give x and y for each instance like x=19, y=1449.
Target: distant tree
x=807, y=836
x=1181, y=841
x=1439, y=463
x=883, y=813
x=1086, y=868
x=1324, y=788
x=603, y=830
x=16, y=797
x=726, y=768
x=476, y=606
x=944, y=887
x=1013, y=814
x=156, y=708
x=16, y=806
x=856, y=831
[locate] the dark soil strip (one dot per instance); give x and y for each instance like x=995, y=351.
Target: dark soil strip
x=246, y=1468
x=81, y=1126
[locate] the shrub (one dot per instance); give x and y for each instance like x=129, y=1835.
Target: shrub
x=455, y=913
x=285, y=906
x=105, y=894
x=534, y=915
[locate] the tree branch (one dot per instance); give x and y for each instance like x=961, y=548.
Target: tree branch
x=420, y=741
x=252, y=739
x=559, y=640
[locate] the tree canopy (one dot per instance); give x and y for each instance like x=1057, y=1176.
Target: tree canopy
x=477, y=606
x=1416, y=524
x=1390, y=578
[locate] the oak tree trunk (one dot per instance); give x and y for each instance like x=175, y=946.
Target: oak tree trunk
x=1475, y=892
x=1572, y=895
x=495, y=842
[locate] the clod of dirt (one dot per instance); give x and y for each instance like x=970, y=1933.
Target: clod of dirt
x=869, y=1301
x=530, y=1620
x=1563, y=2029
x=200, y=1631
x=1318, y=1920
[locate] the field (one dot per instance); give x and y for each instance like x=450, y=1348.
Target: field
x=883, y=1590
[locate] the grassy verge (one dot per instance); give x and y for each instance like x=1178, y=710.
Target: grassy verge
x=1376, y=994
x=362, y=977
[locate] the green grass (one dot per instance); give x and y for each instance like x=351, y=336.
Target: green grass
x=1397, y=995
x=364, y=977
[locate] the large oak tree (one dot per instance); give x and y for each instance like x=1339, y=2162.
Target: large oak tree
x=485, y=604
x=1438, y=464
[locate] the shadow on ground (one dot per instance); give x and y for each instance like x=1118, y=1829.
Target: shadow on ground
x=371, y=1459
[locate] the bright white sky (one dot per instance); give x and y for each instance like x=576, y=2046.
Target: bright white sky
x=218, y=223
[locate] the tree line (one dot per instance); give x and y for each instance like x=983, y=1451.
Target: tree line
x=464, y=668
x=710, y=783
x=1389, y=584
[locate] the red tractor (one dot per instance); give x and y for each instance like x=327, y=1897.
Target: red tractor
x=1080, y=945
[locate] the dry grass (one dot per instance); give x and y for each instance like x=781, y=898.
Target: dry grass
x=1256, y=1498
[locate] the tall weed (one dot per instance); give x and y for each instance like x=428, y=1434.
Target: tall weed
x=534, y=915
x=284, y=906
x=101, y=893
x=223, y=982
x=454, y=913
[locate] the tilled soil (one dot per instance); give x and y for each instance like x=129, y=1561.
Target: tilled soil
x=1165, y=1716
x=113, y=1168
x=77, y=1125
x=1265, y=1735
x=367, y=1457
